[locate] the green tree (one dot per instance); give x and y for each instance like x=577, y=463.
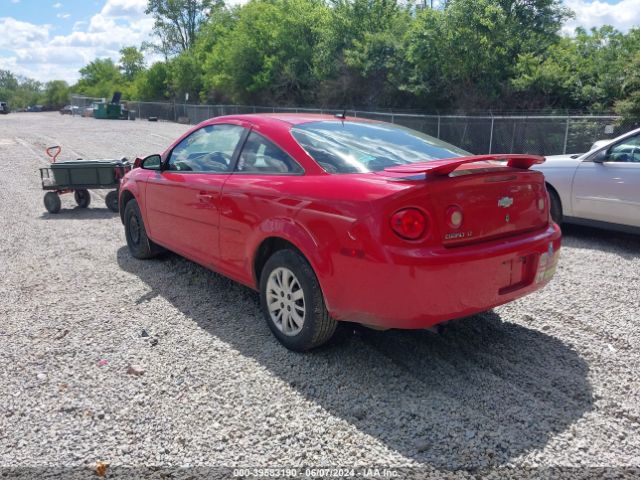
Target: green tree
x=56, y=93
x=585, y=72
x=153, y=83
x=629, y=105
x=363, y=53
x=270, y=54
x=467, y=50
x=99, y=78
x=131, y=62
x=178, y=21
x=18, y=91
x=186, y=76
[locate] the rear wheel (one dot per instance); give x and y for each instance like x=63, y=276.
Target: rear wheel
x=82, y=197
x=555, y=207
x=52, y=202
x=112, y=200
x=137, y=240
x=292, y=302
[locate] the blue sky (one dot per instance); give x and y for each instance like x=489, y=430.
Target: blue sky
x=48, y=39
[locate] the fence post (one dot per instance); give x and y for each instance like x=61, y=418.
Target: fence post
x=513, y=136
x=566, y=136
x=491, y=134
x=392, y=118
x=438, y=125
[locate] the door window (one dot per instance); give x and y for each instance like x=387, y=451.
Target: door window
x=209, y=149
x=626, y=151
x=260, y=155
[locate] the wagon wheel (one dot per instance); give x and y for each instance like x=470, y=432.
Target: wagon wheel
x=83, y=198
x=112, y=200
x=52, y=202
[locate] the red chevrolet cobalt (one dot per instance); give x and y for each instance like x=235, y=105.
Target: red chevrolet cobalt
x=342, y=219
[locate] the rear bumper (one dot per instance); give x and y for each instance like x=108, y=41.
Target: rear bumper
x=419, y=288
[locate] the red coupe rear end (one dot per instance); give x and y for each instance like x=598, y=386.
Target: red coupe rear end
x=453, y=245
x=336, y=219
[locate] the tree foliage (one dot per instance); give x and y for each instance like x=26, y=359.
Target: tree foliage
x=99, y=78
x=20, y=92
x=464, y=55
x=178, y=21
x=131, y=62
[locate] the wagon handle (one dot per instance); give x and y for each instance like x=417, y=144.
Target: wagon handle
x=52, y=155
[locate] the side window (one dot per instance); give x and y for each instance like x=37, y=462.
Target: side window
x=626, y=151
x=260, y=155
x=209, y=149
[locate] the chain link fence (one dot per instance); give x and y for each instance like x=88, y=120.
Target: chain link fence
x=534, y=134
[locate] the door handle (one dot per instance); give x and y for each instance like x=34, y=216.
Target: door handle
x=205, y=197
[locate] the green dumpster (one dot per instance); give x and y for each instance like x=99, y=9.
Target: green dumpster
x=111, y=111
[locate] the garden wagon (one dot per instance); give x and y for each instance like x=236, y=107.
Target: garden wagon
x=80, y=176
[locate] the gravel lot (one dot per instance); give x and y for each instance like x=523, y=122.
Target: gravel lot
x=550, y=380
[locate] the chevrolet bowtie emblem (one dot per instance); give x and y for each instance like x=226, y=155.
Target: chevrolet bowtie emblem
x=505, y=202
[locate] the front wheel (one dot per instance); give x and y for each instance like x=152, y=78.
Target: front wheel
x=52, y=202
x=82, y=197
x=137, y=240
x=292, y=302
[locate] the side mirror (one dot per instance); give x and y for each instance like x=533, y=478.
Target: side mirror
x=152, y=162
x=600, y=156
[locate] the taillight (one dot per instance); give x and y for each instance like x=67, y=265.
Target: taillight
x=409, y=223
x=454, y=216
x=541, y=204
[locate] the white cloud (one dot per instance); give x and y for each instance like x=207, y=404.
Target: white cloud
x=37, y=53
x=622, y=15
x=17, y=34
x=124, y=8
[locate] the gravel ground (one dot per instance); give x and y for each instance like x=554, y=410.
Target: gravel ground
x=550, y=380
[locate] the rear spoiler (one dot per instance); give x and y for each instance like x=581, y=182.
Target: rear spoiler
x=448, y=165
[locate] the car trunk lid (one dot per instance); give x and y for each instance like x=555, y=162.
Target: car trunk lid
x=493, y=200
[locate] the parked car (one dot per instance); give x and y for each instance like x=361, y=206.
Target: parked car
x=4, y=108
x=88, y=111
x=69, y=110
x=599, y=188
x=34, y=108
x=335, y=219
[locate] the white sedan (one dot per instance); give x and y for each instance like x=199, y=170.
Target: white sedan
x=599, y=188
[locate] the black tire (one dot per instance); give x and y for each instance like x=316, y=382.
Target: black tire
x=555, y=207
x=137, y=240
x=317, y=326
x=112, y=200
x=82, y=197
x=52, y=202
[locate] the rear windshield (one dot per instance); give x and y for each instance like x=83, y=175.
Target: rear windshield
x=350, y=147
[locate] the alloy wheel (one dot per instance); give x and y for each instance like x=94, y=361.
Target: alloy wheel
x=285, y=301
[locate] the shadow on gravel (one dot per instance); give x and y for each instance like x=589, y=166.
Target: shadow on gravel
x=480, y=394
x=625, y=245
x=78, y=213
